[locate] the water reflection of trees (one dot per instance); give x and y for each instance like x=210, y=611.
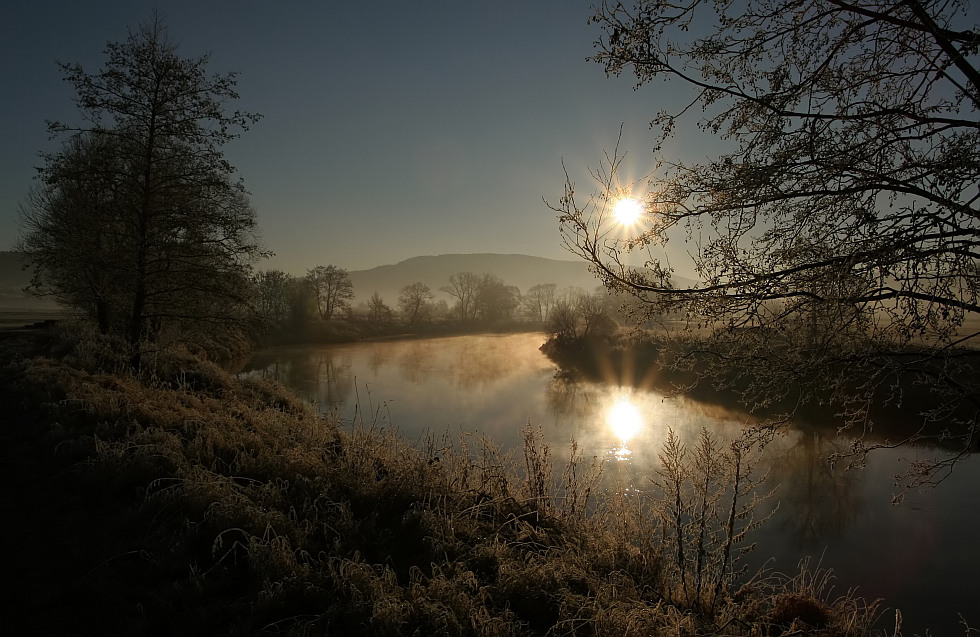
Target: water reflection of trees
x=817, y=499
x=323, y=376
x=377, y=359
x=415, y=361
x=332, y=376
x=469, y=363
x=563, y=397
x=480, y=362
x=270, y=369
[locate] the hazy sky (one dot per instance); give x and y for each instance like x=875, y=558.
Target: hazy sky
x=390, y=129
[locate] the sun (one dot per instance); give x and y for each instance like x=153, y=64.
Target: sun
x=625, y=419
x=628, y=211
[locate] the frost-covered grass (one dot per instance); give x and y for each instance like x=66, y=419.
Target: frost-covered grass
x=228, y=506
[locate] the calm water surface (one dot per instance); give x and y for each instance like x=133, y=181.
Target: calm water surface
x=922, y=555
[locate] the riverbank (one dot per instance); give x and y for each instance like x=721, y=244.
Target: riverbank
x=887, y=413
x=233, y=508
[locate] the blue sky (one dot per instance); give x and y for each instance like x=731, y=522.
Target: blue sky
x=390, y=129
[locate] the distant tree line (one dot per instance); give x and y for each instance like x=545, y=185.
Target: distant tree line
x=325, y=294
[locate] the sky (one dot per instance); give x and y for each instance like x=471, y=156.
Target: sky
x=390, y=129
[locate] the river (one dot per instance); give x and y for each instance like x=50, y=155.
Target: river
x=921, y=555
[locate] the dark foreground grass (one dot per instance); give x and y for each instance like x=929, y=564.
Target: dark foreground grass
x=186, y=501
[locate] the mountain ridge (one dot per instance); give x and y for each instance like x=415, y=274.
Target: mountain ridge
x=387, y=280
x=520, y=270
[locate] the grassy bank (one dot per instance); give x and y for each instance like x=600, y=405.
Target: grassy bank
x=186, y=501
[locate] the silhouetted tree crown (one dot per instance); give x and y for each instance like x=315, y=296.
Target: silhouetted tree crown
x=840, y=226
x=415, y=302
x=139, y=219
x=332, y=290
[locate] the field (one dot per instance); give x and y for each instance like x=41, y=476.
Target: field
x=15, y=317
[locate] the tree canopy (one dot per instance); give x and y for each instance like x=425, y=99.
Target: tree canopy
x=415, y=302
x=464, y=286
x=835, y=236
x=139, y=219
x=332, y=289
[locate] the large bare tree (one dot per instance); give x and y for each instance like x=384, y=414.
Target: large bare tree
x=834, y=238
x=538, y=301
x=332, y=289
x=464, y=286
x=414, y=301
x=140, y=218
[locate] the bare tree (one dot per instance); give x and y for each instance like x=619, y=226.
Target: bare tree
x=378, y=310
x=143, y=189
x=494, y=300
x=414, y=302
x=580, y=315
x=836, y=239
x=332, y=290
x=273, y=289
x=537, y=301
x=463, y=286
x=594, y=309
x=563, y=321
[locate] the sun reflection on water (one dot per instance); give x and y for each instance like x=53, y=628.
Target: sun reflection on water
x=626, y=422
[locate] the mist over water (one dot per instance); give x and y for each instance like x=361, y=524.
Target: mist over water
x=919, y=555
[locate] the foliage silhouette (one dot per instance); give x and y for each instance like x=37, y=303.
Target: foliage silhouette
x=138, y=221
x=836, y=234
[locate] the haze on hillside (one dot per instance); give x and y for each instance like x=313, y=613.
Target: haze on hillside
x=519, y=270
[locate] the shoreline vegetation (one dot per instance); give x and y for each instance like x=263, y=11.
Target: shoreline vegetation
x=184, y=500
x=634, y=358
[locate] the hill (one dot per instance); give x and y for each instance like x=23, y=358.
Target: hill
x=520, y=270
x=387, y=280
